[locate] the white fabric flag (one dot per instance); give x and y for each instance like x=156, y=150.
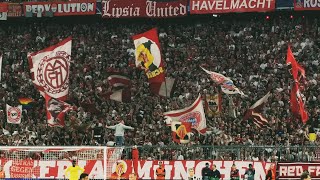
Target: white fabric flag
x=50, y=69
x=193, y=114
x=14, y=114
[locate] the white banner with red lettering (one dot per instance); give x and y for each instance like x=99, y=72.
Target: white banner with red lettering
x=294, y=170
x=122, y=169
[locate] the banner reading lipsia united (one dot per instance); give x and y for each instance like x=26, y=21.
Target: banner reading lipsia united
x=302, y=5
x=227, y=6
x=143, y=8
x=70, y=8
x=122, y=168
x=294, y=170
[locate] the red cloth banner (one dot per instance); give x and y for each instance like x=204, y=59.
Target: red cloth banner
x=3, y=7
x=143, y=8
x=227, y=6
x=14, y=10
x=294, y=170
x=87, y=7
x=302, y=5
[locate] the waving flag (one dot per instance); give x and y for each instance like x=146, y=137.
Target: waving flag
x=56, y=110
x=181, y=132
x=14, y=114
x=296, y=100
x=254, y=112
x=226, y=84
x=50, y=69
x=193, y=114
x=148, y=57
x=26, y=102
x=120, y=91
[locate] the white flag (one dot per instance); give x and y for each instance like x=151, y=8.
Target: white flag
x=50, y=69
x=226, y=84
x=193, y=114
x=14, y=114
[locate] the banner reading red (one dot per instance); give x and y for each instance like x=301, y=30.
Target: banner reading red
x=294, y=170
x=227, y=6
x=302, y=5
x=143, y=8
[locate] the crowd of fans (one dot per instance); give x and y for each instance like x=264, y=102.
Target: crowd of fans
x=251, y=50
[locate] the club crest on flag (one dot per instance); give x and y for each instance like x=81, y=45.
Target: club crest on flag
x=213, y=104
x=53, y=72
x=14, y=114
x=181, y=132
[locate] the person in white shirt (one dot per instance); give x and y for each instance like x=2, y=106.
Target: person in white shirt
x=119, y=132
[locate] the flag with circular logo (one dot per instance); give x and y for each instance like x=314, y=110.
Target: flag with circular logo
x=50, y=69
x=14, y=114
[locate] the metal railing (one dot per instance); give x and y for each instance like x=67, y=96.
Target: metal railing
x=266, y=153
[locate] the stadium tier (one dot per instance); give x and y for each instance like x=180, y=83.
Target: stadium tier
x=102, y=92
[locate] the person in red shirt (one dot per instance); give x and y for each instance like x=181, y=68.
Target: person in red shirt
x=234, y=174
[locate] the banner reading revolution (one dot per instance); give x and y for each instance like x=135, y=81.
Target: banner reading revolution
x=61, y=8
x=294, y=170
x=227, y=6
x=302, y=5
x=122, y=168
x=143, y=8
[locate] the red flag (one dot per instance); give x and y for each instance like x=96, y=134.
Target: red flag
x=297, y=104
x=296, y=68
x=56, y=111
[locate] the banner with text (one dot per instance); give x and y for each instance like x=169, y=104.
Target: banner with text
x=294, y=170
x=227, y=6
x=143, y=8
x=14, y=10
x=122, y=168
x=71, y=8
x=302, y=5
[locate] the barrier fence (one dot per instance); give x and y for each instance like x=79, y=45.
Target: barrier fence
x=118, y=162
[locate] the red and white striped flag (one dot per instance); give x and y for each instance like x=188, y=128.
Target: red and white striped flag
x=254, y=112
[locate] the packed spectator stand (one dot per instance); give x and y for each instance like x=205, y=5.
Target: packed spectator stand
x=249, y=49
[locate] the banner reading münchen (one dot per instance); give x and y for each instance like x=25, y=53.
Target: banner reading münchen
x=228, y=6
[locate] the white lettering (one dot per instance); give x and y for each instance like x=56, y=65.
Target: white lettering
x=62, y=165
x=44, y=168
x=235, y=4
x=144, y=172
x=260, y=4
x=195, y=5
x=283, y=171
x=97, y=170
x=250, y=4
x=291, y=171
x=269, y=3
x=244, y=4
x=204, y=5
x=219, y=4
x=119, y=12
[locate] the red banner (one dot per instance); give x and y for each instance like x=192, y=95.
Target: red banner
x=3, y=7
x=122, y=169
x=302, y=5
x=14, y=10
x=87, y=7
x=227, y=6
x=143, y=8
x=294, y=170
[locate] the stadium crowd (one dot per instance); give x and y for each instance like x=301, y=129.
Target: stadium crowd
x=251, y=50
